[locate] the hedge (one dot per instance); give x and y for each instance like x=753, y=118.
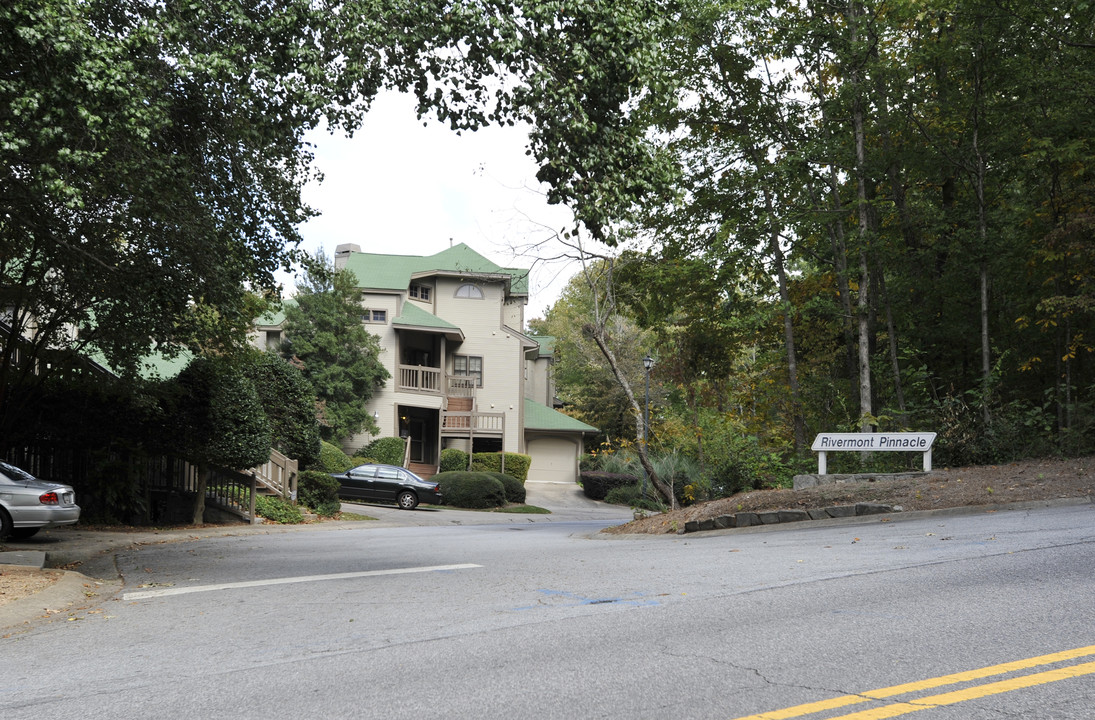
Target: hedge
x=386, y=451
x=332, y=459
x=453, y=460
x=515, y=489
x=471, y=489
x=517, y=465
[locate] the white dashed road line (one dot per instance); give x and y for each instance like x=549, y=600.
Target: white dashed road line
x=165, y=591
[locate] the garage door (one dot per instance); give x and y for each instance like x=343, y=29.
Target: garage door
x=553, y=460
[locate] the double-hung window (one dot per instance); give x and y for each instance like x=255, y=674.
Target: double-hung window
x=469, y=366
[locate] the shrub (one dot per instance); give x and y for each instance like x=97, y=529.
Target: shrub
x=471, y=489
x=332, y=459
x=632, y=496
x=516, y=465
x=453, y=460
x=596, y=485
x=515, y=489
x=387, y=451
x=319, y=491
x=278, y=509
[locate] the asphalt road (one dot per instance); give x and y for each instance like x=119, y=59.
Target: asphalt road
x=444, y=614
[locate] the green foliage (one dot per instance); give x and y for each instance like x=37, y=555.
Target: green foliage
x=516, y=465
x=216, y=415
x=597, y=484
x=332, y=459
x=319, y=491
x=453, y=460
x=473, y=490
x=514, y=488
x=338, y=357
x=278, y=510
x=632, y=496
x=289, y=404
x=387, y=451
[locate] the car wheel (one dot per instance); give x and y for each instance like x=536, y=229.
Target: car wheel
x=23, y=533
x=5, y=524
x=407, y=500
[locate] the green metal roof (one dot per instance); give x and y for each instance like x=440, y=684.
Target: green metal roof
x=546, y=343
x=393, y=272
x=541, y=417
x=414, y=316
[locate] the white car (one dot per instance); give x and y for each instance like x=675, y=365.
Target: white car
x=28, y=504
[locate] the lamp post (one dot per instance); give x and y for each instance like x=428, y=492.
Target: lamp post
x=648, y=363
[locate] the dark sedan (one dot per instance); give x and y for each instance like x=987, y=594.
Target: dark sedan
x=387, y=483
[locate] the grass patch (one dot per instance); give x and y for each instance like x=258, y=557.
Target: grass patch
x=354, y=517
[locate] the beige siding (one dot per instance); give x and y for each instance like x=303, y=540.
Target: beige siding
x=554, y=459
x=538, y=381
x=485, y=337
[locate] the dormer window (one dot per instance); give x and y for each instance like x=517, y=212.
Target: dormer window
x=469, y=291
x=420, y=292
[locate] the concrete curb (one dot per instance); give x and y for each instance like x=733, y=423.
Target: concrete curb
x=62, y=596
x=858, y=512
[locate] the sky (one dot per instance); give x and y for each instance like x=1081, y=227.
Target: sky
x=400, y=188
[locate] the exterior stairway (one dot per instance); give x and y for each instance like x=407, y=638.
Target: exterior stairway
x=423, y=470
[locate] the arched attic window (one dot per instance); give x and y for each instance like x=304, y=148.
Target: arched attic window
x=469, y=291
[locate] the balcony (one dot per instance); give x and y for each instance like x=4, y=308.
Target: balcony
x=418, y=378
x=455, y=423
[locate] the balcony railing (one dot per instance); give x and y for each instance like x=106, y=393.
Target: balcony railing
x=417, y=378
x=465, y=424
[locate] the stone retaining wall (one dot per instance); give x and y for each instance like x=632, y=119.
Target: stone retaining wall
x=747, y=519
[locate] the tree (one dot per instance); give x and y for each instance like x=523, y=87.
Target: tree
x=338, y=357
x=152, y=152
x=217, y=419
x=289, y=404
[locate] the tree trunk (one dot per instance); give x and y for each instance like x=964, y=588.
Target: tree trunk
x=199, y=499
x=664, y=489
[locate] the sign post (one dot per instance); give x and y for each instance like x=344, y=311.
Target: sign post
x=920, y=442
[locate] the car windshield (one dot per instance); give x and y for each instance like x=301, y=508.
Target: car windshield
x=15, y=474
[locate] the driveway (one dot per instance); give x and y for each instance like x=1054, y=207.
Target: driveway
x=566, y=502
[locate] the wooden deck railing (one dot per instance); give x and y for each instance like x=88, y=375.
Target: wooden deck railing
x=417, y=378
x=457, y=424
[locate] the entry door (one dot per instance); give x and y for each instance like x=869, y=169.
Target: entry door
x=417, y=428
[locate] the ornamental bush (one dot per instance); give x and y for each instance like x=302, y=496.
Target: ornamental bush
x=319, y=492
x=386, y=451
x=332, y=459
x=515, y=489
x=453, y=460
x=471, y=489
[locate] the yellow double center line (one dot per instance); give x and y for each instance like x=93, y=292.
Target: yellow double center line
x=950, y=698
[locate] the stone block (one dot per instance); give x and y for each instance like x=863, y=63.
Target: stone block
x=839, y=511
x=818, y=514
x=707, y=524
x=872, y=509
x=724, y=521
x=793, y=515
x=691, y=526
x=769, y=518
x=745, y=519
